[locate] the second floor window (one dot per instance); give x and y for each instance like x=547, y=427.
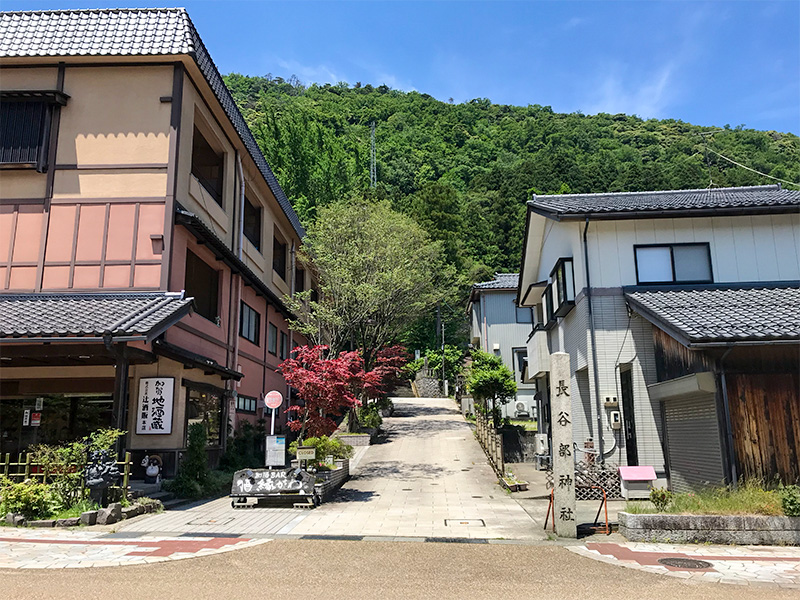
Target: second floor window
x=523, y=315
x=250, y=324
x=202, y=284
x=284, y=346
x=252, y=223
x=24, y=129
x=246, y=404
x=272, y=339
x=299, y=280
x=207, y=165
x=279, y=258
x=673, y=263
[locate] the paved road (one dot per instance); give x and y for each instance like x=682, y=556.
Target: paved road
x=331, y=570
x=428, y=478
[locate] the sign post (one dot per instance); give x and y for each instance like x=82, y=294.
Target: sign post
x=563, y=459
x=273, y=401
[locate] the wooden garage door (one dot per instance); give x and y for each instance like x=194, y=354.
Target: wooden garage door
x=695, y=455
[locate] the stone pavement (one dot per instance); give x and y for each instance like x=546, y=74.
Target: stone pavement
x=758, y=566
x=67, y=549
x=427, y=478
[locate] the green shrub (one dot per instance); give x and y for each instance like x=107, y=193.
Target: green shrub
x=192, y=479
x=790, y=500
x=660, y=497
x=325, y=447
x=242, y=451
x=369, y=417
x=31, y=499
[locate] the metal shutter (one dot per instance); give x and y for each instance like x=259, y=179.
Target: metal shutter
x=695, y=455
x=22, y=126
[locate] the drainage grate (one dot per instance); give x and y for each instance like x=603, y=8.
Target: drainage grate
x=684, y=563
x=464, y=523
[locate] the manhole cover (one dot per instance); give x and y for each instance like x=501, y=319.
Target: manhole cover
x=684, y=563
x=464, y=523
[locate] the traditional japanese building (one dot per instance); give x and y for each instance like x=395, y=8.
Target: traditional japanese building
x=146, y=244
x=680, y=311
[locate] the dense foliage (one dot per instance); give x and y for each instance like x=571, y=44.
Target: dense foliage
x=490, y=381
x=464, y=171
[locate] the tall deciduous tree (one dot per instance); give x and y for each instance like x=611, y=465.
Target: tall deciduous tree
x=376, y=270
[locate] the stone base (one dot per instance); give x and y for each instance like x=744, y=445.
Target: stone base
x=713, y=529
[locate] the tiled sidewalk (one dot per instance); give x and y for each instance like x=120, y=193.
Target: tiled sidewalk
x=27, y=549
x=765, y=566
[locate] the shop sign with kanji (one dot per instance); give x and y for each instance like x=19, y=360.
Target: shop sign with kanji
x=154, y=414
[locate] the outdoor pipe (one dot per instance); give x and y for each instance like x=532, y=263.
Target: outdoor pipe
x=594, y=345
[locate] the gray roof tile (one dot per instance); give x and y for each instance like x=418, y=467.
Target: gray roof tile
x=668, y=203
x=723, y=314
x=95, y=315
x=501, y=281
x=131, y=32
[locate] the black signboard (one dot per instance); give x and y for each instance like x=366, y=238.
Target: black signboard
x=261, y=483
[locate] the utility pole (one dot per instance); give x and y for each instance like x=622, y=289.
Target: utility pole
x=373, y=170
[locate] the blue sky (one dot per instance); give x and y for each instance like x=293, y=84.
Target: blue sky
x=708, y=63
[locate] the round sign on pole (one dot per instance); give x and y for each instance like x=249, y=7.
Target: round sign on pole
x=273, y=399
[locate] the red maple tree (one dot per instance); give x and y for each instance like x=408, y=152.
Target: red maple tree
x=330, y=386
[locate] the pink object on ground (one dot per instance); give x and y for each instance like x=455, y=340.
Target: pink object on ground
x=644, y=473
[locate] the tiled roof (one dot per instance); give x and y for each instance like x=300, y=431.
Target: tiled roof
x=141, y=315
x=723, y=314
x=130, y=32
x=501, y=281
x=671, y=203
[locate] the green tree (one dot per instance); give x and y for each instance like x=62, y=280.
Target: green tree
x=376, y=271
x=490, y=381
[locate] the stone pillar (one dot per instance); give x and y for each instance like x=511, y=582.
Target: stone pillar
x=562, y=451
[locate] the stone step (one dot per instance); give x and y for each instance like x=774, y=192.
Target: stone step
x=174, y=502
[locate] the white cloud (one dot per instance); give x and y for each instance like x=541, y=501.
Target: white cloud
x=309, y=73
x=615, y=91
x=573, y=22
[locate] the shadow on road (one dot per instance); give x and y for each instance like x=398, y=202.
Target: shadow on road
x=401, y=470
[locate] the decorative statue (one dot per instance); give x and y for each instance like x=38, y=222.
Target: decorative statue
x=152, y=472
x=101, y=472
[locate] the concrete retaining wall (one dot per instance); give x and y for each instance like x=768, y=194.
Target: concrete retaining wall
x=714, y=529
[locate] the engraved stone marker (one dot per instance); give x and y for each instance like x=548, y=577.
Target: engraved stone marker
x=563, y=459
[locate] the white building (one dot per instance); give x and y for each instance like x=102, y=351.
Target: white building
x=666, y=302
x=499, y=327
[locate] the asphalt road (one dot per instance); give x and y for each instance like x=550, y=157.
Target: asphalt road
x=308, y=569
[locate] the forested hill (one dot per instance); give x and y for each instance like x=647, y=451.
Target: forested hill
x=465, y=171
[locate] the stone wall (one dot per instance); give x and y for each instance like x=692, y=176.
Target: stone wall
x=428, y=387
x=713, y=529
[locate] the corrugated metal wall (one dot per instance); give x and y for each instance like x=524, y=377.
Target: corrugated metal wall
x=695, y=453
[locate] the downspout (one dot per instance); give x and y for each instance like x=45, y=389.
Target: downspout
x=238, y=243
x=292, y=288
x=600, y=454
x=728, y=425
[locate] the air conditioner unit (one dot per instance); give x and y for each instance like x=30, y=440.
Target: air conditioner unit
x=542, y=445
x=520, y=410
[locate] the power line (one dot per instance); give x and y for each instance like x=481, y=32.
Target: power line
x=730, y=160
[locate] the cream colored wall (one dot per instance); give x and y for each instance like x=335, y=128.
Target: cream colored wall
x=115, y=116
x=743, y=248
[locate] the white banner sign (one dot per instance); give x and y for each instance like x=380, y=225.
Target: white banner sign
x=154, y=414
x=276, y=450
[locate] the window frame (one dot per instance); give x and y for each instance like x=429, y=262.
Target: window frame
x=190, y=293
x=249, y=400
x=284, y=346
x=217, y=195
x=245, y=307
x=674, y=279
x=210, y=390
x=299, y=280
x=50, y=102
x=530, y=315
x=272, y=339
x=563, y=304
x=276, y=241
x=257, y=209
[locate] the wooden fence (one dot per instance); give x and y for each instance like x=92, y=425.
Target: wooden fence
x=491, y=441
x=25, y=468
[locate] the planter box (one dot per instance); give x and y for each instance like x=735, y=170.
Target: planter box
x=516, y=486
x=714, y=529
x=332, y=480
x=356, y=439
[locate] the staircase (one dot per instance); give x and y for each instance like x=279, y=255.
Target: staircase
x=154, y=491
x=404, y=391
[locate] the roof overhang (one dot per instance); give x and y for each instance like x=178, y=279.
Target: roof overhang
x=192, y=360
x=732, y=211
x=109, y=318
